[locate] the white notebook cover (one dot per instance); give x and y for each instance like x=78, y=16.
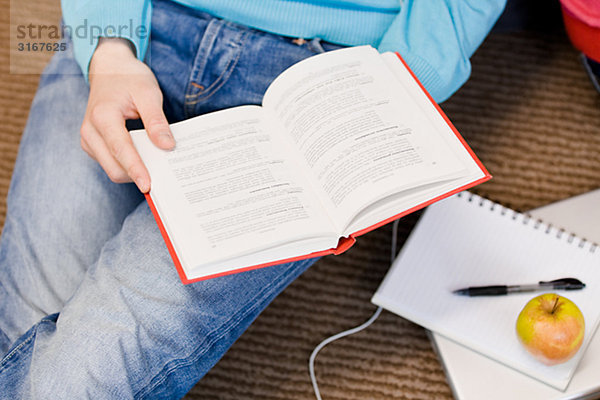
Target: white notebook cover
x=469, y=241
x=473, y=376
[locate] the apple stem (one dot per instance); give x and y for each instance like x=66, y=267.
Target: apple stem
x=555, y=305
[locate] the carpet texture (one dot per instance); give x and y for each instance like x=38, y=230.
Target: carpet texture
x=532, y=117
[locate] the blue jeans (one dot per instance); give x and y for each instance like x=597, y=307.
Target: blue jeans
x=91, y=305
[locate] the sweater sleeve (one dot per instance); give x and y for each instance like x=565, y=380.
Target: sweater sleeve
x=436, y=38
x=87, y=20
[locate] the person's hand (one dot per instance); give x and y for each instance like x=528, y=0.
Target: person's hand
x=121, y=88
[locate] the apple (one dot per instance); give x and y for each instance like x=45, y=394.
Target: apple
x=551, y=327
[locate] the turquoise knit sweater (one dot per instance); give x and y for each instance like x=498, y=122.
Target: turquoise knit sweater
x=435, y=37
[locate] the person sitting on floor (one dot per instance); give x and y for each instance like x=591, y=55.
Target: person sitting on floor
x=90, y=304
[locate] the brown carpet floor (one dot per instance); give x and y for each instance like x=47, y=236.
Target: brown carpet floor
x=530, y=114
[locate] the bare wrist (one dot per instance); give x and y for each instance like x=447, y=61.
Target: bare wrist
x=112, y=50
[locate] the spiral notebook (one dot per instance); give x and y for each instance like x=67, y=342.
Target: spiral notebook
x=466, y=240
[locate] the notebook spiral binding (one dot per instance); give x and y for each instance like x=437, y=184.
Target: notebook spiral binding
x=560, y=233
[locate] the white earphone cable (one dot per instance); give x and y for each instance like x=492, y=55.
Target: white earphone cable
x=311, y=361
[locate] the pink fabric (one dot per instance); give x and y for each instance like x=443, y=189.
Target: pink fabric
x=587, y=11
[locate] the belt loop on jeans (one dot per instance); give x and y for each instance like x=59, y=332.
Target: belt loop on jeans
x=315, y=45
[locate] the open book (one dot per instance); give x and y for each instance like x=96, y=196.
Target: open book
x=344, y=142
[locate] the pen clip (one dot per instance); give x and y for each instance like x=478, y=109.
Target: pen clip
x=564, y=283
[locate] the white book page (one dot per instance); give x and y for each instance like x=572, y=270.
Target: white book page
x=358, y=131
x=460, y=243
x=292, y=250
x=228, y=188
x=392, y=205
x=439, y=125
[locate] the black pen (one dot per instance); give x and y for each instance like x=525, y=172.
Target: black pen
x=558, y=284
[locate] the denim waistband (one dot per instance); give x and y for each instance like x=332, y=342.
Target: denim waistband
x=173, y=7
